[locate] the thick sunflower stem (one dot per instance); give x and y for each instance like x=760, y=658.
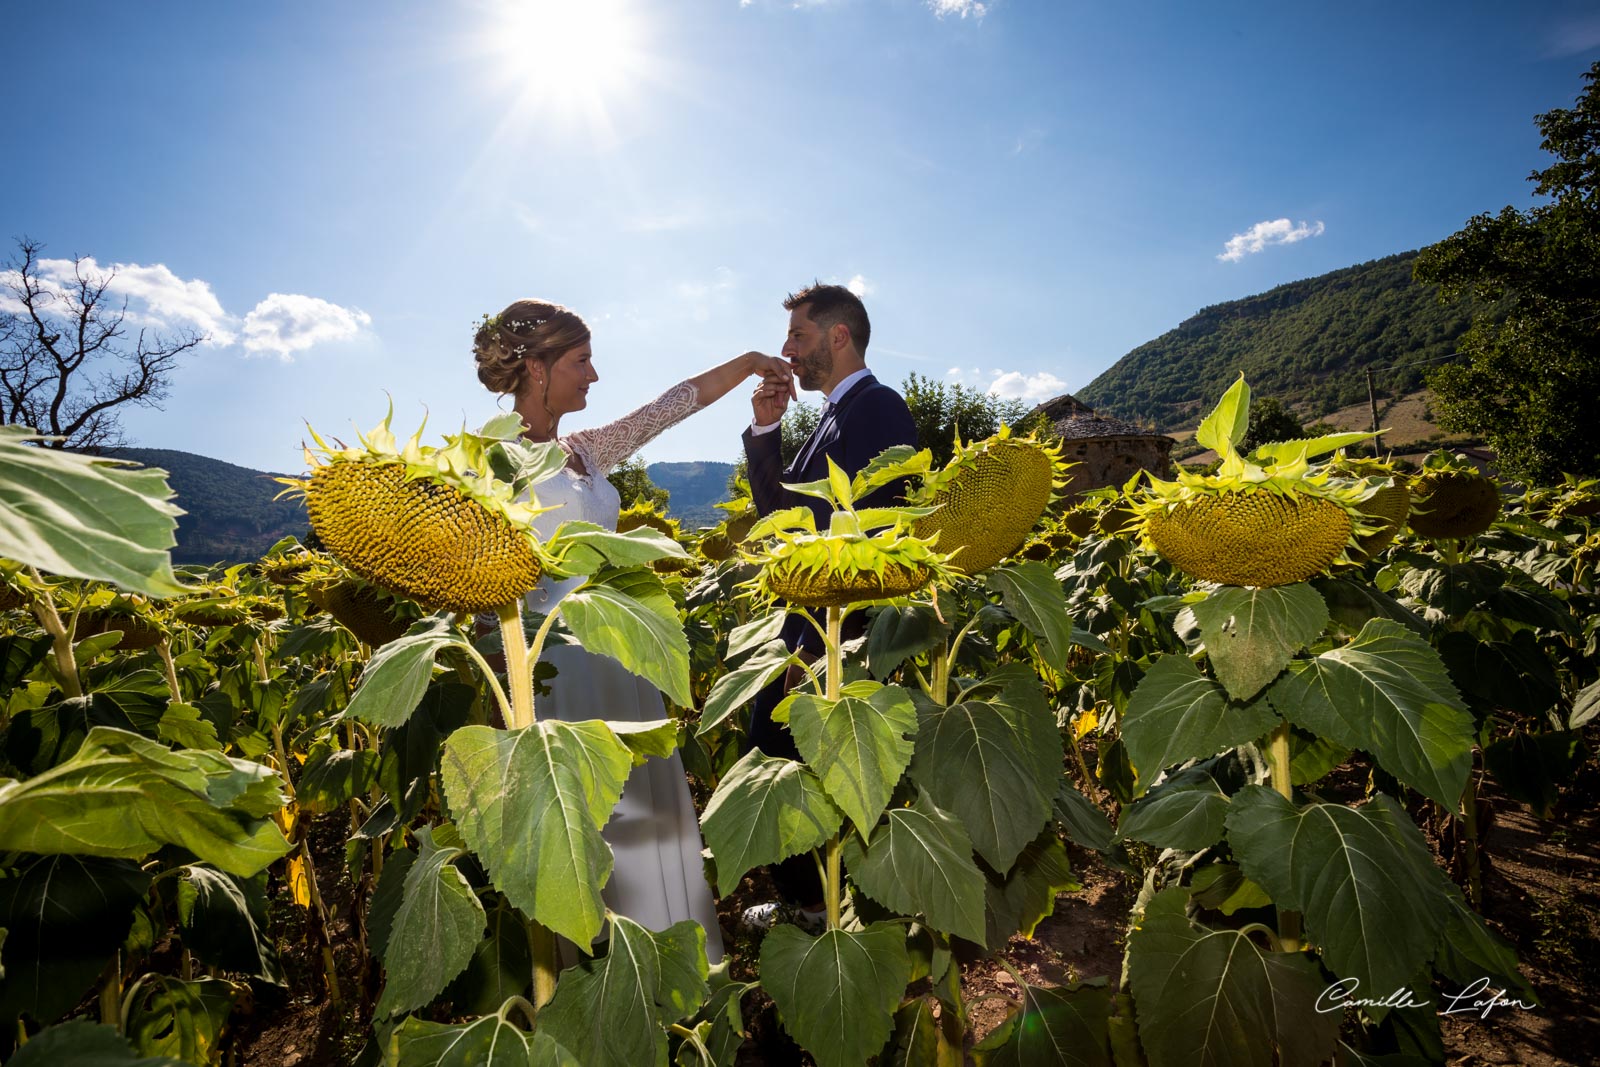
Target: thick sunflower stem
x=939, y=687
x=1089, y=780
x=1469, y=828
x=835, y=655
x=111, y=992
x=519, y=674
x=546, y=964
x=44, y=609
x=835, y=884
x=833, y=887
x=164, y=650
x=1278, y=761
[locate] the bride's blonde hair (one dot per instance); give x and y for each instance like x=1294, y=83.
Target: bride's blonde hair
x=526, y=329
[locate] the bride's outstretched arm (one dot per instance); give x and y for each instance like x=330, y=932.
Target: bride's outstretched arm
x=603, y=447
x=714, y=384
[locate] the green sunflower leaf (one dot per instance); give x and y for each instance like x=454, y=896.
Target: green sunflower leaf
x=1178, y=714
x=86, y=517
x=1387, y=693
x=436, y=928
x=765, y=810
x=1252, y=634
x=632, y=619
x=919, y=862
x=1213, y=997
x=531, y=802
x=837, y=993
x=612, y=1011
x=859, y=748
x=1363, y=879
x=994, y=766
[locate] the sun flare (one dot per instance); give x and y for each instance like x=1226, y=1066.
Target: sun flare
x=565, y=55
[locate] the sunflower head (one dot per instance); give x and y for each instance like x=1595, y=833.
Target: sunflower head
x=1451, y=498
x=227, y=609
x=988, y=498
x=288, y=567
x=1575, y=498
x=723, y=541
x=436, y=525
x=136, y=616
x=12, y=595
x=1271, y=518
x=1386, y=509
x=870, y=554
x=643, y=512
x=371, y=612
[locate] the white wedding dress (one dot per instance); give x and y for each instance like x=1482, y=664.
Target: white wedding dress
x=654, y=831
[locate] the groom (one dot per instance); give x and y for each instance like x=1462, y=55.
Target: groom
x=827, y=344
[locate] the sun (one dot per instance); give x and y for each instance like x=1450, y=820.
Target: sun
x=571, y=57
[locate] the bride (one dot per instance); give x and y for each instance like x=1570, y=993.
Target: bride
x=539, y=354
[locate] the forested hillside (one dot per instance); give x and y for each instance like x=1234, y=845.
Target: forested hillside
x=232, y=516
x=1305, y=343
x=695, y=487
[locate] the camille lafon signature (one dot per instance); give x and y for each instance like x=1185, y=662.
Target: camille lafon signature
x=1476, y=997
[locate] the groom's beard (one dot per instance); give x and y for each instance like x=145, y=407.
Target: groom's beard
x=815, y=367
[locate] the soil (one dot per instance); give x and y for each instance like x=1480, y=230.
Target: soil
x=1541, y=885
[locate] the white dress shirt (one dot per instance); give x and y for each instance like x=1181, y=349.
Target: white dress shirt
x=834, y=396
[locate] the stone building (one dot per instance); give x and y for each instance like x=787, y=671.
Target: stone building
x=1108, y=451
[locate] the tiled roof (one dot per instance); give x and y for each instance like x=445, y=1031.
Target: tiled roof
x=1078, y=427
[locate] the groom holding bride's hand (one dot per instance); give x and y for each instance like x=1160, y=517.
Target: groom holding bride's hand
x=826, y=347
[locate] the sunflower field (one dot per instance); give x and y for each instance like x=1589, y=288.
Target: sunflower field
x=305, y=810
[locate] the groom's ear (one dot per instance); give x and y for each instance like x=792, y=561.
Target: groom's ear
x=838, y=335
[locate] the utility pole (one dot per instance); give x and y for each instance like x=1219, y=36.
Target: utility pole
x=1372, y=402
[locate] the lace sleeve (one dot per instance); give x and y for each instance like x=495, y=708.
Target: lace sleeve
x=603, y=447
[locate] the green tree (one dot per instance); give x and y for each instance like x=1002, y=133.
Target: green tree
x=942, y=410
x=633, y=483
x=1270, y=421
x=1532, y=379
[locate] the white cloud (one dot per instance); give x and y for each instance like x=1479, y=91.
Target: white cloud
x=169, y=299
x=1035, y=388
x=960, y=8
x=287, y=323
x=1262, y=234
x=157, y=297
x=860, y=286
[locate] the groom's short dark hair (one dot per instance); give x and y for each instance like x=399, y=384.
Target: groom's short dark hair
x=831, y=305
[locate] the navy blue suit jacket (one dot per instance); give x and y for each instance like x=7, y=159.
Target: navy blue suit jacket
x=868, y=419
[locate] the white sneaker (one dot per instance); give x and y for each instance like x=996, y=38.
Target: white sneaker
x=774, y=913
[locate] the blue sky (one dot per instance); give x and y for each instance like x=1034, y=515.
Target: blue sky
x=1024, y=189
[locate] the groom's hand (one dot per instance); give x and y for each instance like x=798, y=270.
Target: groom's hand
x=769, y=401
x=771, y=398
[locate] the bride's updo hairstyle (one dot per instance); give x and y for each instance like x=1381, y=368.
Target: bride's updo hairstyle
x=525, y=328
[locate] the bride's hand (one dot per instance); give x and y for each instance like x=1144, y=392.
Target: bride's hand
x=774, y=372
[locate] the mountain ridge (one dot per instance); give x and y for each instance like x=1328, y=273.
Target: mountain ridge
x=1307, y=343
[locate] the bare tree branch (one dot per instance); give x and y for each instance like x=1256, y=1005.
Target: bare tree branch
x=65, y=368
